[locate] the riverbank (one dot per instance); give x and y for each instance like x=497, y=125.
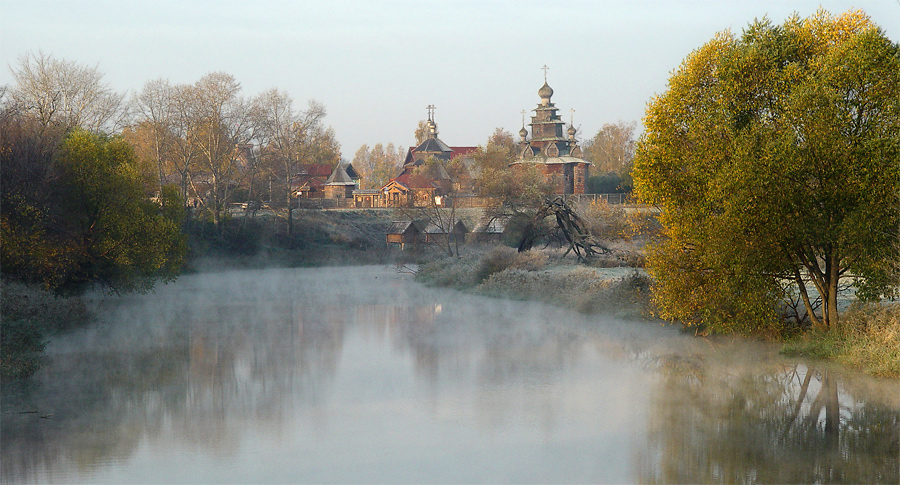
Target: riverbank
x=545, y=276
x=868, y=338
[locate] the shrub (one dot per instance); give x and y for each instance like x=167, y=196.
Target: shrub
x=501, y=258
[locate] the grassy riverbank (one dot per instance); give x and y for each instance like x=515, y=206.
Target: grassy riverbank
x=544, y=276
x=868, y=338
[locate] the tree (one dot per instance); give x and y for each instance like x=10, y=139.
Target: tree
x=152, y=135
x=62, y=93
x=221, y=126
x=421, y=133
x=775, y=158
x=376, y=166
x=97, y=226
x=611, y=151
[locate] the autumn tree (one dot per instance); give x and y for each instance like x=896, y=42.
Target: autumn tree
x=775, y=158
x=611, y=151
x=94, y=225
x=152, y=133
x=421, y=133
x=288, y=139
x=376, y=166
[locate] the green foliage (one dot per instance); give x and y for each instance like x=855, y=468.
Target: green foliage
x=96, y=227
x=776, y=160
x=608, y=183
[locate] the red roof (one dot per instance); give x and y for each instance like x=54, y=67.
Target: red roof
x=459, y=151
x=415, y=181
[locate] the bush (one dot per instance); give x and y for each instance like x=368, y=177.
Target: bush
x=579, y=289
x=501, y=258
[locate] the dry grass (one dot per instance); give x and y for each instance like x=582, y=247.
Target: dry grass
x=536, y=275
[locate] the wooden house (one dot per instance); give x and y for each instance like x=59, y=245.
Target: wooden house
x=309, y=182
x=490, y=229
x=342, y=182
x=435, y=234
x=403, y=233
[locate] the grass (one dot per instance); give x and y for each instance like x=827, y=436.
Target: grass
x=868, y=338
x=535, y=275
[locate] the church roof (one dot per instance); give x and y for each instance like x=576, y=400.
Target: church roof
x=433, y=145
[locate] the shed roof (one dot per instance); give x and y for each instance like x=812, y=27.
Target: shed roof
x=402, y=227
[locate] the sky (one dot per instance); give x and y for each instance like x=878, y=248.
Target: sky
x=376, y=65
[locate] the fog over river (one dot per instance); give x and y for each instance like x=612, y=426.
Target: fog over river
x=362, y=375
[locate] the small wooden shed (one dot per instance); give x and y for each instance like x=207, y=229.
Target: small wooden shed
x=402, y=233
x=439, y=235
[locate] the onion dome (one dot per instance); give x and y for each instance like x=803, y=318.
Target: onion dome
x=571, y=131
x=523, y=133
x=546, y=91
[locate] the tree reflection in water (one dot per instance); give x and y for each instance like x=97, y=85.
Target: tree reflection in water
x=713, y=423
x=293, y=359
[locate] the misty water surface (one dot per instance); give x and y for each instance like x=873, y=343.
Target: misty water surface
x=360, y=374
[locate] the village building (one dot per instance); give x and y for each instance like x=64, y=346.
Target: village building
x=436, y=234
x=342, y=182
x=558, y=157
x=309, y=182
x=424, y=180
x=403, y=233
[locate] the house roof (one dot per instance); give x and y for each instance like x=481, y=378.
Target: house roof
x=492, y=225
x=433, y=145
x=459, y=227
x=339, y=177
x=462, y=151
x=551, y=160
x=415, y=181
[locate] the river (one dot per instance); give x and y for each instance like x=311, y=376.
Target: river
x=362, y=375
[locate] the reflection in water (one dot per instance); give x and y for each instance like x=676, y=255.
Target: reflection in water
x=360, y=375
x=713, y=422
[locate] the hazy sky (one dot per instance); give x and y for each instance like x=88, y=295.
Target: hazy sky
x=376, y=65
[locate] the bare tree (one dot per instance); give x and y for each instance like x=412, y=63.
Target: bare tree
x=223, y=127
x=283, y=134
x=185, y=116
x=63, y=93
x=154, y=116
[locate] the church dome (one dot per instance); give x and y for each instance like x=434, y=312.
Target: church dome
x=571, y=130
x=523, y=132
x=546, y=91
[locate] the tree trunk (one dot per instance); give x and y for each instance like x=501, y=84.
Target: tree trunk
x=833, y=268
